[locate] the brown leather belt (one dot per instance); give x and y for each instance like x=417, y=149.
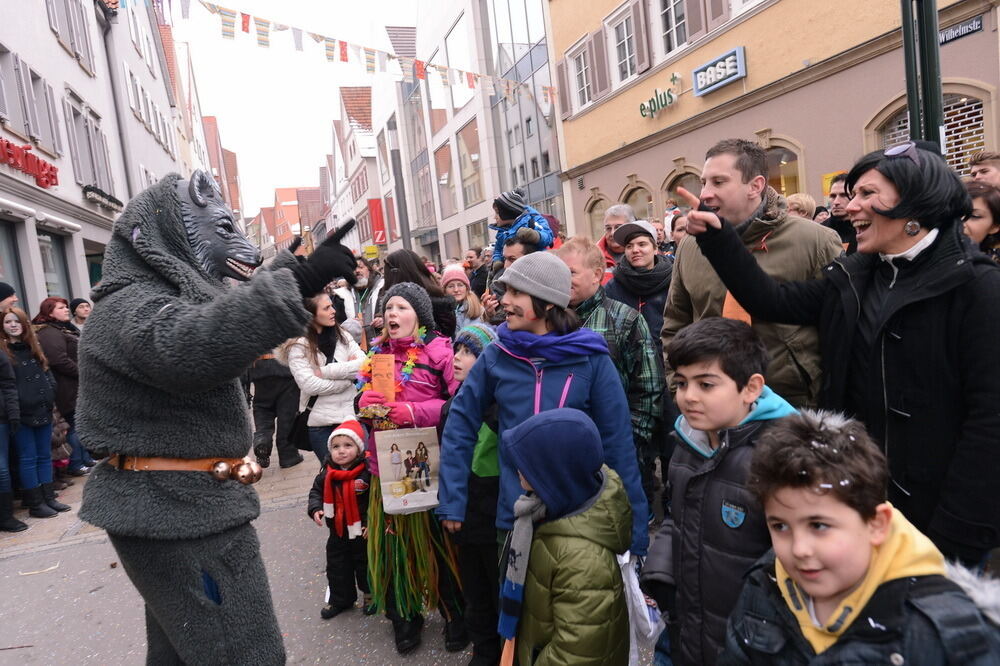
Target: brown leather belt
x=243, y=470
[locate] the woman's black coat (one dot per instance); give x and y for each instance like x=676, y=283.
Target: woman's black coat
x=937, y=373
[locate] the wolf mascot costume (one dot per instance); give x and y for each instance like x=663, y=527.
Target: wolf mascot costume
x=160, y=393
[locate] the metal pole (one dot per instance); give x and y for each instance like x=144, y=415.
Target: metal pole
x=912, y=72
x=930, y=71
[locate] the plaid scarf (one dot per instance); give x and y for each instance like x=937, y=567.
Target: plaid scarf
x=528, y=510
x=340, y=502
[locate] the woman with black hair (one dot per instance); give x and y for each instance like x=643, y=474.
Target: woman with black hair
x=407, y=266
x=907, y=327
x=324, y=363
x=983, y=225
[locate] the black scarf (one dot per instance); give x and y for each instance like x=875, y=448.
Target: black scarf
x=327, y=342
x=644, y=281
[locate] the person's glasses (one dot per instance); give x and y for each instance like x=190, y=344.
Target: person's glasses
x=907, y=149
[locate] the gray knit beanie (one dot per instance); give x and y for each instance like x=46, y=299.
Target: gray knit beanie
x=511, y=204
x=418, y=299
x=540, y=274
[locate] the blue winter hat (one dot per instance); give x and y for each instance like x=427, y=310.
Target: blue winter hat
x=560, y=453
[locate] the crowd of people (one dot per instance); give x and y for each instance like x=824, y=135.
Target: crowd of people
x=797, y=401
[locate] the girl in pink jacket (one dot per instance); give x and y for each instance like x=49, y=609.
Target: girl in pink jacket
x=411, y=562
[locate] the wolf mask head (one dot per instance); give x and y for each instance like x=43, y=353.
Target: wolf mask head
x=218, y=245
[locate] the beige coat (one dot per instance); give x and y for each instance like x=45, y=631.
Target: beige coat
x=786, y=248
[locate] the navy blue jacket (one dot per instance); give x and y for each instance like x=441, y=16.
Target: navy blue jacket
x=588, y=383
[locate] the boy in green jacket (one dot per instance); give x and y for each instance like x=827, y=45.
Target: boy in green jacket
x=567, y=606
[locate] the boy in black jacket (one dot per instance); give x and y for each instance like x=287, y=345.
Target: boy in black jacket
x=715, y=529
x=850, y=579
x=339, y=495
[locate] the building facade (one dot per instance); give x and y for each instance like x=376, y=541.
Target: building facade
x=645, y=87
x=89, y=117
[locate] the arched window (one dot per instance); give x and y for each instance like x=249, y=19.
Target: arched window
x=783, y=170
x=596, y=217
x=641, y=201
x=690, y=182
x=963, y=129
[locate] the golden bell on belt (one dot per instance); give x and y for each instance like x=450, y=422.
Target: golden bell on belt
x=221, y=470
x=243, y=473
x=257, y=471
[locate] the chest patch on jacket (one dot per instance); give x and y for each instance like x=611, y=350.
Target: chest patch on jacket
x=733, y=514
x=360, y=486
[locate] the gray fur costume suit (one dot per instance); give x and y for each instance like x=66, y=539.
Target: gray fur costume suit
x=159, y=376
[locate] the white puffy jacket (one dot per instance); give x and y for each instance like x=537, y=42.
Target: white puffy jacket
x=335, y=388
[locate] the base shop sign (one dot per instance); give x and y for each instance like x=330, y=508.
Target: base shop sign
x=19, y=157
x=717, y=72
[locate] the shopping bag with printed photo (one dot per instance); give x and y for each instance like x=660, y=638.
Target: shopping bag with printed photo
x=408, y=461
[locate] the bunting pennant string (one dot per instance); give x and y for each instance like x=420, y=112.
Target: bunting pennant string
x=373, y=60
x=228, y=17
x=263, y=32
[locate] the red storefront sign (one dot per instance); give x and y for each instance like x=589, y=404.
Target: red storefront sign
x=19, y=157
x=378, y=222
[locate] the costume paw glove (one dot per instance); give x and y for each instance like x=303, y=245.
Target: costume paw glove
x=328, y=261
x=527, y=235
x=401, y=413
x=371, y=398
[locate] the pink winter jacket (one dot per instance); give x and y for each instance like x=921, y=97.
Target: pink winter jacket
x=429, y=387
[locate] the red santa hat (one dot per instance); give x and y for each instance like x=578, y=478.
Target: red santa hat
x=352, y=430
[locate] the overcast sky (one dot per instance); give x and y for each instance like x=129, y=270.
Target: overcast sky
x=276, y=105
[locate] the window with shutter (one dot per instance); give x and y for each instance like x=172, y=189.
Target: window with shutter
x=50, y=8
x=74, y=148
x=581, y=78
x=623, y=47
x=963, y=129
x=672, y=24
x=102, y=162
x=130, y=89
x=600, y=75
x=53, y=109
x=643, y=57
x=81, y=36
x=4, y=96
x=65, y=20
x=27, y=98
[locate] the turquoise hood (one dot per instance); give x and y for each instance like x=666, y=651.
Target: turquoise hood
x=769, y=406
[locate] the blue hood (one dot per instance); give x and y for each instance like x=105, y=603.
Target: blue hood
x=769, y=406
x=560, y=453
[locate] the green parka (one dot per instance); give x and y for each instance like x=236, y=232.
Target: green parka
x=574, y=609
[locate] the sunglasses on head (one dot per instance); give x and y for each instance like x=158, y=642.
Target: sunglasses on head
x=906, y=149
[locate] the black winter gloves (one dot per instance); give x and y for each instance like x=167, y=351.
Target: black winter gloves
x=328, y=261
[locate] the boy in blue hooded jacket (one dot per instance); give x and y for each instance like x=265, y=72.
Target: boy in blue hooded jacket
x=542, y=360
x=716, y=528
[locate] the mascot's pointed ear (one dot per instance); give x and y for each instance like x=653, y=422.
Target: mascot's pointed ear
x=201, y=188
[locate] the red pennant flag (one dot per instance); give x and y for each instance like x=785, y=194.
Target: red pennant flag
x=421, y=68
x=343, y=51
x=245, y=18
x=470, y=78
